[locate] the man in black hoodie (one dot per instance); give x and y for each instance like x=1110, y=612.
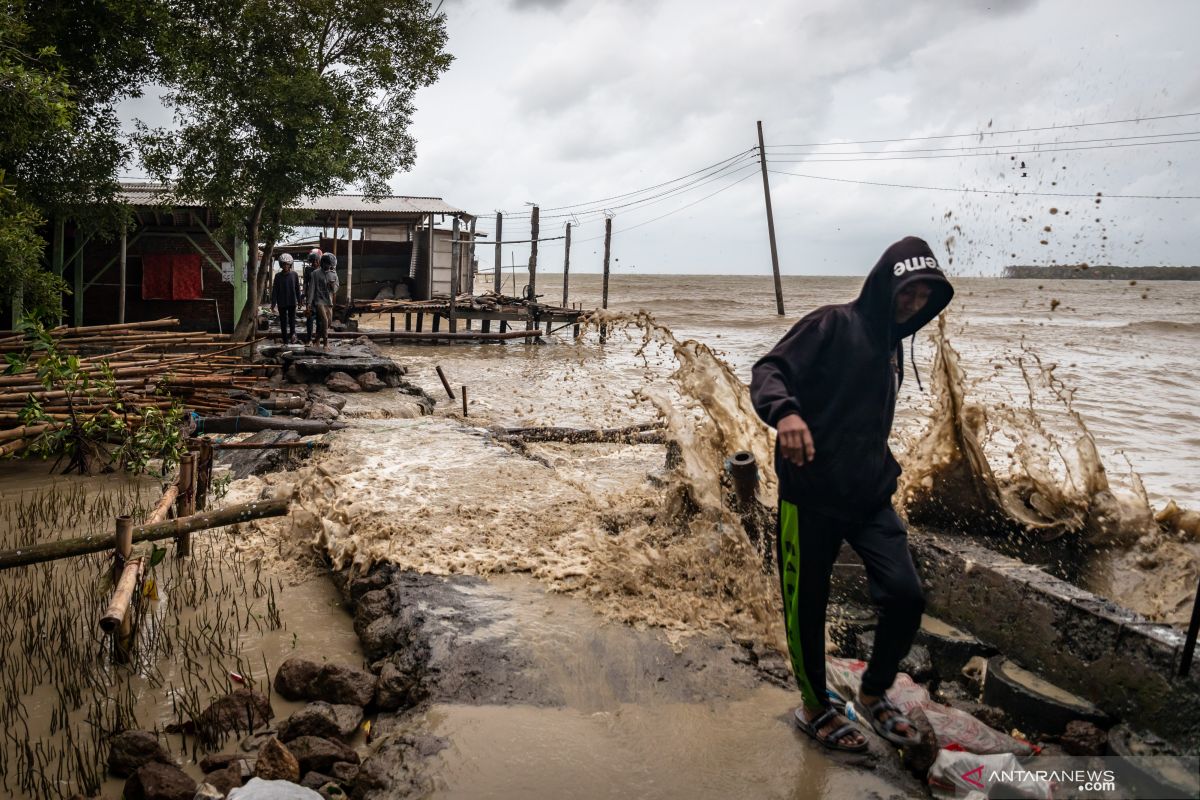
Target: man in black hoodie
x=829, y=389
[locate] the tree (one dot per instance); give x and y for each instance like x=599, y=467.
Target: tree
x=275, y=100
x=63, y=69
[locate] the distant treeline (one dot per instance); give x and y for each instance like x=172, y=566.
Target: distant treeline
x=1105, y=272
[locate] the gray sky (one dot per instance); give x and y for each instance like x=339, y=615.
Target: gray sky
x=563, y=102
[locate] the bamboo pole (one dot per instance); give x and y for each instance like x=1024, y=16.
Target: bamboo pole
x=164, y=505
x=464, y=399
x=83, y=545
x=445, y=383
x=204, y=473
x=113, y=619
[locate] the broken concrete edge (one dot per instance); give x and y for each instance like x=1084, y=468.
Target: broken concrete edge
x=1119, y=660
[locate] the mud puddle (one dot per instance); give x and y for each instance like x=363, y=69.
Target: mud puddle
x=602, y=710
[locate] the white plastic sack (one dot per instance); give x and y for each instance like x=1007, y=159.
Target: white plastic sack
x=957, y=775
x=258, y=789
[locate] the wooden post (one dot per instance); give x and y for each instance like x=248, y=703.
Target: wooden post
x=533, y=248
x=437, y=321
x=420, y=320
x=407, y=321
x=464, y=399
x=121, y=632
x=455, y=267
x=567, y=265
x=185, y=503
x=204, y=472
x=445, y=382
x=471, y=265
x=762, y=160
x=121, y=297
x=349, y=263
x=497, y=270
x=604, y=290
x=392, y=322
x=429, y=277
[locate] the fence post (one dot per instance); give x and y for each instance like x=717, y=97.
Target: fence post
x=185, y=503
x=204, y=473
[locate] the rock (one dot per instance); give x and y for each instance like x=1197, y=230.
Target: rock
x=295, y=677
x=989, y=715
x=245, y=462
x=253, y=742
x=331, y=791
x=345, y=773
x=315, y=780
x=214, y=762
x=370, y=382
x=334, y=401
x=302, y=679
x=322, y=411
x=277, y=762
x=324, y=720
x=316, y=754
x=341, y=382
x=398, y=688
x=259, y=789
x=155, y=781
x=225, y=779
x=1084, y=739
x=339, y=683
x=131, y=749
x=240, y=710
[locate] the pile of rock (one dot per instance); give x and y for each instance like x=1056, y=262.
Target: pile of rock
x=311, y=751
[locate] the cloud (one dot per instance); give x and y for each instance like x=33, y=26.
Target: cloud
x=560, y=102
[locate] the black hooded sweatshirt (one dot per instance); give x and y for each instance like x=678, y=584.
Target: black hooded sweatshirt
x=840, y=368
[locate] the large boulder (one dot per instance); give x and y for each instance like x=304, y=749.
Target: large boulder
x=322, y=719
x=226, y=779
x=240, y=710
x=295, y=677
x=129, y=750
x=399, y=684
x=341, y=382
x=340, y=683
x=155, y=781
x=370, y=382
x=319, y=755
x=277, y=762
x=321, y=411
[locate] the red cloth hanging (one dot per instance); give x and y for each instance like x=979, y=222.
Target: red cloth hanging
x=156, y=276
x=185, y=277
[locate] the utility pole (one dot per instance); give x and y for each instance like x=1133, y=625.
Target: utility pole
x=566, y=265
x=533, y=243
x=762, y=160
x=604, y=290
x=498, y=275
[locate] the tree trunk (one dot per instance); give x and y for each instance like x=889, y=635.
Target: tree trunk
x=247, y=323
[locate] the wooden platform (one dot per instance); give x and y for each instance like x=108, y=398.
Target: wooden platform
x=510, y=313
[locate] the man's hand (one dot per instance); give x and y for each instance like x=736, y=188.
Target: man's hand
x=795, y=440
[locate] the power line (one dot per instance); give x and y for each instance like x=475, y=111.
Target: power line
x=1013, y=192
x=728, y=171
x=721, y=163
x=676, y=211
x=998, y=133
x=992, y=146
x=976, y=155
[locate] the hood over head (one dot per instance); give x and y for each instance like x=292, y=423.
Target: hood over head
x=908, y=260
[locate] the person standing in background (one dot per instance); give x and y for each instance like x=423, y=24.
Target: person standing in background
x=311, y=262
x=323, y=288
x=285, y=296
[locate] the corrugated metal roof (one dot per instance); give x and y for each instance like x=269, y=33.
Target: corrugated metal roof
x=154, y=194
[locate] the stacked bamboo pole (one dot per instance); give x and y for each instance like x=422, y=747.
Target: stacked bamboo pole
x=150, y=364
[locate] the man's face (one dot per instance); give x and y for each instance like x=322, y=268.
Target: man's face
x=911, y=299
x=287, y=266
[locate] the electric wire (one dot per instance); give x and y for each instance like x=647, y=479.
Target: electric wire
x=989, y=146
x=1000, y=133
x=971, y=190
x=976, y=155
